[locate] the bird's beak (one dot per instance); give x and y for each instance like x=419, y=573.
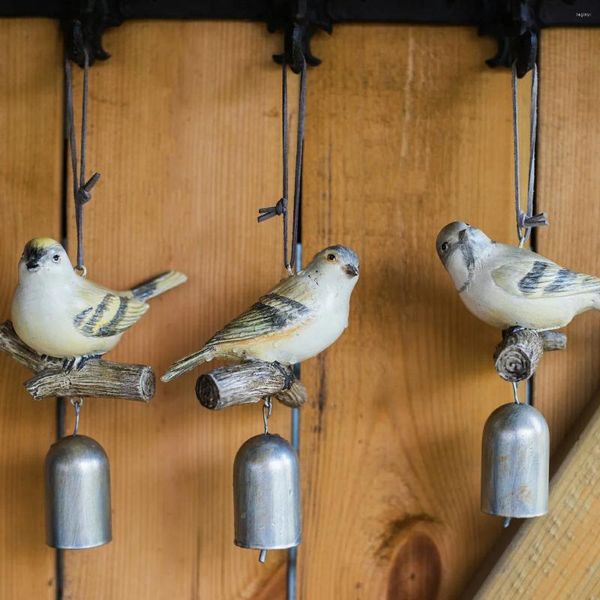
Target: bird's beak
x=351, y=270
x=32, y=265
x=463, y=234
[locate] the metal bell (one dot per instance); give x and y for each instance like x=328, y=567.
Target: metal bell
x=77, y=494
x=266, y=492
x=515, y=462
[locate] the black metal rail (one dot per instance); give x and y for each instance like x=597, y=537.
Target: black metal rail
x=514, y=23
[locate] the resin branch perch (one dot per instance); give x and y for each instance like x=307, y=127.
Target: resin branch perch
x=519, y=353
x=249, y=382
x=96, y=377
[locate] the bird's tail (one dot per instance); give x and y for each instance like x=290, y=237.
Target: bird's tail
x=158, y=285
x=187, y=363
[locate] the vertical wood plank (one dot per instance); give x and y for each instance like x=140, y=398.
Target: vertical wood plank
x=569, y=180
x=407, y=130
x=30, y=200
x=185, y=131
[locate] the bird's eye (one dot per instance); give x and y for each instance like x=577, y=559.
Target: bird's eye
x=56, y=258
x=331, y=257
x=445, y=246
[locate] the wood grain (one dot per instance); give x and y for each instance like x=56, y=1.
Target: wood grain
x=568, y=187
x=407, y=130
x=558, y=556
x=188, y=143
x=30, y=200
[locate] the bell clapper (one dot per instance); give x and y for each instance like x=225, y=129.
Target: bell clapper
x=262, y=556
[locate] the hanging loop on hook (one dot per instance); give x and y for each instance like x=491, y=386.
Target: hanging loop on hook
x=83, y=24
x=525, y=220
x=299, y=19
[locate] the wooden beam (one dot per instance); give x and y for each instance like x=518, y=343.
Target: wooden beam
x=558, y=556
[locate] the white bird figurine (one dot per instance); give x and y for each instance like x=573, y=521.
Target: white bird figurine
x=59, y=313
x=507, y=286
x=295, y=321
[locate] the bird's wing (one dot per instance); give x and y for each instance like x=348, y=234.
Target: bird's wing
x=106, y=313
x=286, y=307
x=526, y=274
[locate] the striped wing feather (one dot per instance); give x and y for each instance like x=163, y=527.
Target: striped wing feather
x=281, y=309
x=108, y=313
x=526, y=274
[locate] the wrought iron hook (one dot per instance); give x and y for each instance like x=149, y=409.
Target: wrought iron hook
x=299, y=20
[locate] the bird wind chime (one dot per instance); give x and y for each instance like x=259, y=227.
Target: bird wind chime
x=62, y=324
x=299, y=318
x=527, y=296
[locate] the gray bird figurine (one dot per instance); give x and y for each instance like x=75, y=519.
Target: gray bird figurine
x=507, y=286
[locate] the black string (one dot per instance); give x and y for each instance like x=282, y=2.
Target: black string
x=281, y=208
x=82, y=189
x=299, y=164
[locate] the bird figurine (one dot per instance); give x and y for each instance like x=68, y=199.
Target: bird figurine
x=58, y=313
x=297, y=319
x=507, y=286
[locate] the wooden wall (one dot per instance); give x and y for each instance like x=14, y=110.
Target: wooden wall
x=406, y=130
x=30, y=200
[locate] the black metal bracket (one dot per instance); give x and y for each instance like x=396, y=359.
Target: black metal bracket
x=516, y=24
x=83, y=23
x=299, y=20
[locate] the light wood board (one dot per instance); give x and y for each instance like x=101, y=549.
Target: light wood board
x=30, y=202
x=407, y=130
x=184, y=127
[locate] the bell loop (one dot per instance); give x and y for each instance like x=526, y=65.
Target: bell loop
x=267, y=411
x=77, y=403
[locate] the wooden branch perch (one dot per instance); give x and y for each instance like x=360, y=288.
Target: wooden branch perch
x=519, y=353
x=96, y=377
x=248, y=382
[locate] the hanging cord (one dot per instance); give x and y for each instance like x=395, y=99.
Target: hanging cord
x=281, y=208
x=525, y=220
x=82, y=189
x=299, y=165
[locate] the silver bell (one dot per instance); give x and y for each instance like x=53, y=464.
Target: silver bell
x=515, y=462
x=266, y=492
x=77, y=494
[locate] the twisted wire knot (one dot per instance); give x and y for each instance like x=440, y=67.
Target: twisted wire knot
x=528, y=221
x=272, y=211
x=84, y=192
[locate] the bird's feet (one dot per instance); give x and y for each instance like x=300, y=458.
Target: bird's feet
x=510, y=330
x=288, y=374
x=76, y=363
